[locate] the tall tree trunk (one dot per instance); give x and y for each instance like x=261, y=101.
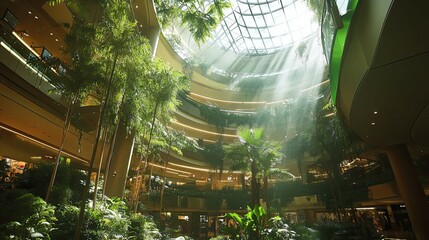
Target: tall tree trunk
x=94, y=153
x=243, y=181
x=60, y=150
x=165, y=179
x=152, y=127
x=266, y=194
x=254, y=184
x=111, y=148
x=97, y=179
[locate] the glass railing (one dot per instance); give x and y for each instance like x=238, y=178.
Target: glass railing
x=21, y=59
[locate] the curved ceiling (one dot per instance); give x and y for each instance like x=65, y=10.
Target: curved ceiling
x=383, y=80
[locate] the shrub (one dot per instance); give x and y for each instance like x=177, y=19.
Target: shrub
x=33, y=218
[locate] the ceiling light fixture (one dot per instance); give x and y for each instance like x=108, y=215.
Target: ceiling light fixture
x=36, y=17
x=375, y=112
x=373, y=124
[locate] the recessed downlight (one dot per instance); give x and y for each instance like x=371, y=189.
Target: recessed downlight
x=375, y=112
x=373, y=124
x=51, y=34
x=36, y=17
x=29, y=12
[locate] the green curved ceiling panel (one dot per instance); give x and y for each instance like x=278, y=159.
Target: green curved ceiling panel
x=338, y=48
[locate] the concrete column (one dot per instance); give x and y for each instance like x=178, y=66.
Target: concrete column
x=410, y=188
x=121, y=160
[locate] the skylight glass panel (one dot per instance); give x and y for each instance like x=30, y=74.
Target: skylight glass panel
x=260, y=20
x=342, y=6
x=269, y=20
x=274, y=6
x=256, y=10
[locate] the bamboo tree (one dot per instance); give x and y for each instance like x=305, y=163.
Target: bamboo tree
x=97, y=179
x=163, y=84
x=176, y=142
x=116, y=40
x=75, y=79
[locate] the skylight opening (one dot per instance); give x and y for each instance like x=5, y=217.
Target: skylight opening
x=256, y=27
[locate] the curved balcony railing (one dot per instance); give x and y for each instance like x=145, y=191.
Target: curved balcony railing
x=22, y=60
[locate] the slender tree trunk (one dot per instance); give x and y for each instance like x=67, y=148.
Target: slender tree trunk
x=165, y=179
x=97, y=179
x=111, y=149
x=109, y=159
x=243, y=181
x=152, y=127
x=161, y=201
x=334, y=195
x=136, y=185
x=60, y=150
x=94, y=153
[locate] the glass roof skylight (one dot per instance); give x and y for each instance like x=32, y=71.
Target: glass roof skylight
x=257, y=27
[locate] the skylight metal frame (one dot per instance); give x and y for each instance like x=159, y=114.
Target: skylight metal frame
x=246, y=29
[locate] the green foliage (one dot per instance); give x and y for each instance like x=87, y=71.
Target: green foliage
x=68, y=185
x=29, y=217
x=199, y=16
x=110, y=220
x=214, y=154
x=143, y=227
x=25, y=216
x=305, y=233
x=255, y=225
x=252, y=153
x=249, y=226
x=317, y=8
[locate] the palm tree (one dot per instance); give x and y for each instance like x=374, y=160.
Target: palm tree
x=255, y=154
x=272, y=155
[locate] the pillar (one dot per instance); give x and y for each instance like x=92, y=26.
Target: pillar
x=410, y=188
x=121, y=160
